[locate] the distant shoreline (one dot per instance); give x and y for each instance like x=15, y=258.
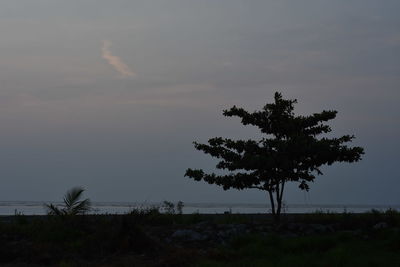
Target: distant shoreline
x=9, y=208
x=206, y=216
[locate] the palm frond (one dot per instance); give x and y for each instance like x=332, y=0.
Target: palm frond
x=81, y=207
x=72, y=204
x=72, y=197
x=53, y=210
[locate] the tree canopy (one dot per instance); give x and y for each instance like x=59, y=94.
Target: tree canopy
x=290, y=151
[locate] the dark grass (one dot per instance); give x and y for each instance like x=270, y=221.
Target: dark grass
x=50, y=240
x=133, y=239
x=379, y=248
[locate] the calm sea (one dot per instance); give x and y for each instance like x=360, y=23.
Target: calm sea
x=36, y=208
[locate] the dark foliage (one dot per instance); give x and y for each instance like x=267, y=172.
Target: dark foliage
x=145, y=238
x=73, y=205
x=50, y=240
x=290, y=151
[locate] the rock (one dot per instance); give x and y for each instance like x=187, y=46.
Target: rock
x=381, y=225
x=188, y=235
x=239, y=228
x=309, y=229
x=222, y=234
x=202, y=225
x=320, y=228
x=231, y=230
x=298, y=227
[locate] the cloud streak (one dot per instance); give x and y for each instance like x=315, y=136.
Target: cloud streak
x=115, y=61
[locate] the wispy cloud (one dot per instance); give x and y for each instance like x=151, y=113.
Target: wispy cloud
x=115, y=61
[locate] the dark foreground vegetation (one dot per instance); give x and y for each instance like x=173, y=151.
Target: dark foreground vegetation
x=150, y=238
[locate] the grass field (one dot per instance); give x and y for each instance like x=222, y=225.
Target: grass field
x=150, y=238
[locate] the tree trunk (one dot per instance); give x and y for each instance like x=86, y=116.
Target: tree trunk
x=271, y=198
x=279, y=199
x=275, y=210
x=276, y=203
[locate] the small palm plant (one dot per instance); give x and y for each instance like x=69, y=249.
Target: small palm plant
x=73, y=205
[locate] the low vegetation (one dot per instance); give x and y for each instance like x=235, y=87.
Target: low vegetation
x=152, y=237
x=378, y=248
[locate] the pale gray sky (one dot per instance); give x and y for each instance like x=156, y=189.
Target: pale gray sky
x=109, y=95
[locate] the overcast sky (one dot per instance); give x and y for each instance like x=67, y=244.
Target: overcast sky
x=109, y=95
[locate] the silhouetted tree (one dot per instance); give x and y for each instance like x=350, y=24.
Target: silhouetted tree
x=289, y=151
x=73, y=205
